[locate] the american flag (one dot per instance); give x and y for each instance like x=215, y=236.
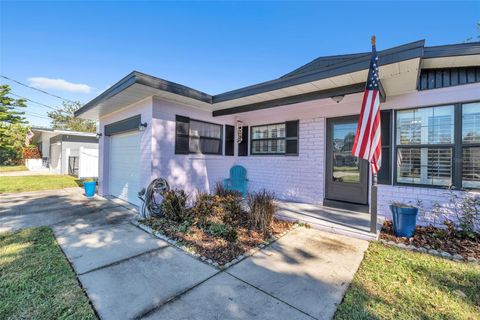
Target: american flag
x=28, y=136
x=368, y=140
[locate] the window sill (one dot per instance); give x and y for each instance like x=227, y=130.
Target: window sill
x=426, y=186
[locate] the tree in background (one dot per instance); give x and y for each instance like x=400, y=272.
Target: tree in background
x=64, y=119
x=13, y=127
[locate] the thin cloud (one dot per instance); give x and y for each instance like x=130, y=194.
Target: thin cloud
x=58, y=84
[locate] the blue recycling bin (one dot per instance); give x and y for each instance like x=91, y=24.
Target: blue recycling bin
x=404, y=220
x=89, y=187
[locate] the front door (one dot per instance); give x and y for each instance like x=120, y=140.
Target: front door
x=346, y=175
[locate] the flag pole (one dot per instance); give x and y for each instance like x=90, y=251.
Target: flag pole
x=373, y=199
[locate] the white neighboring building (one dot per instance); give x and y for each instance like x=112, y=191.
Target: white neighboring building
x=67, y=152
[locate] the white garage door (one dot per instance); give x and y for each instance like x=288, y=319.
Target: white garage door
x=124, y=166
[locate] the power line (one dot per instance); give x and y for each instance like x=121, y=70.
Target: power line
x=25, y=112
x=33, y=114
x=26, y=85
x=39, y=103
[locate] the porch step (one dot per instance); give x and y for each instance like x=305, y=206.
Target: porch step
x=349, y=223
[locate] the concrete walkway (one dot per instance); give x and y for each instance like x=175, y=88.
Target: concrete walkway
x=130, y=274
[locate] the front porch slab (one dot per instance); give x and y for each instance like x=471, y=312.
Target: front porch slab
x=340, y=221
x=308, y=269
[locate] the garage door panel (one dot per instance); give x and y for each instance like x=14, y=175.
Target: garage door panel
x=124, y=164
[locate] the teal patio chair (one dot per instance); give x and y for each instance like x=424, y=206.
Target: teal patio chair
x=237, y=181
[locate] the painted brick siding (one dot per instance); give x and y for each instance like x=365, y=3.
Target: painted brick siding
x=411, y=195
x=190, y=172
x=298, y=178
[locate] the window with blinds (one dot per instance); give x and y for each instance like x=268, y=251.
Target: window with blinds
x=471, y=145
x=268, y=139
x=425, y=145
x=439, y=146
x=280, y=138
x=471, y=167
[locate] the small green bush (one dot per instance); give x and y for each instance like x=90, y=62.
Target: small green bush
x=174, y=206
x=262, y=210
x=183, y=227
x=227, y=232
x=233, y=214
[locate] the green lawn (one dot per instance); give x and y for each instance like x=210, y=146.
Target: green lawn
x=36, y=280
x=397, y=284
x=32, y=183
x=12, y=168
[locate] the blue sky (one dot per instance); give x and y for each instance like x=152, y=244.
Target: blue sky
x=210, y=46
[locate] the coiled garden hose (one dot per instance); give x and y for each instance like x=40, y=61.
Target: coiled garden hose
x=150, y=206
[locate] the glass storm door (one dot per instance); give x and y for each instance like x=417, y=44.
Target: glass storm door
x=346, y=175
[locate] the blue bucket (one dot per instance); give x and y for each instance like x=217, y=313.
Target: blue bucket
x=404, y=220
x=90, y=188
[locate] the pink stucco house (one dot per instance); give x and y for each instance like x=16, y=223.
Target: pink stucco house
x=294, y=134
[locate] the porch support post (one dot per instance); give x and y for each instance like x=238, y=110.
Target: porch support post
x=383, y=95
x=373, y=206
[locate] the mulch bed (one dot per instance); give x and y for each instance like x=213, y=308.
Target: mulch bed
x=217, y=248
x=435, y=238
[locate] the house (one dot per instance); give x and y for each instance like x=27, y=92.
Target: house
x=67, y=152
x=294, y=134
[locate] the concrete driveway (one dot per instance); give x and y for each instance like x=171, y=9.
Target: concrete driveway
x=129, y=274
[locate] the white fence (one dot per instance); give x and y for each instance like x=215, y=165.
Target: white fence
x=87, y=163
x=34, y=164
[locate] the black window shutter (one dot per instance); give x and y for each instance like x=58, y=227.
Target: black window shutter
x=385, y=173
x=229, y=140
x=243, y=146
x=182, y=129
x=291, y=142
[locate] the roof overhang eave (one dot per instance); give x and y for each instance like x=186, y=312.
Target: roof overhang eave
x=389, y=56
x=139, y=78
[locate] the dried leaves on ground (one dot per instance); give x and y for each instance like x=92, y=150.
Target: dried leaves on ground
x=436, y=238
x=216, y=246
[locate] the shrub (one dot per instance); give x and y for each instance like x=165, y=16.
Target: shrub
x=222, y=192
x=222, y=230
x=183, y=227
x=174, y=205
x=31, y=152
x=467, y=211
x=262, y=210
x=233, y=214
x=204, y=208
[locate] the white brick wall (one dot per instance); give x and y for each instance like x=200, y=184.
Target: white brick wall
x=190, y=172
x=297, y=178
x=411, y=195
